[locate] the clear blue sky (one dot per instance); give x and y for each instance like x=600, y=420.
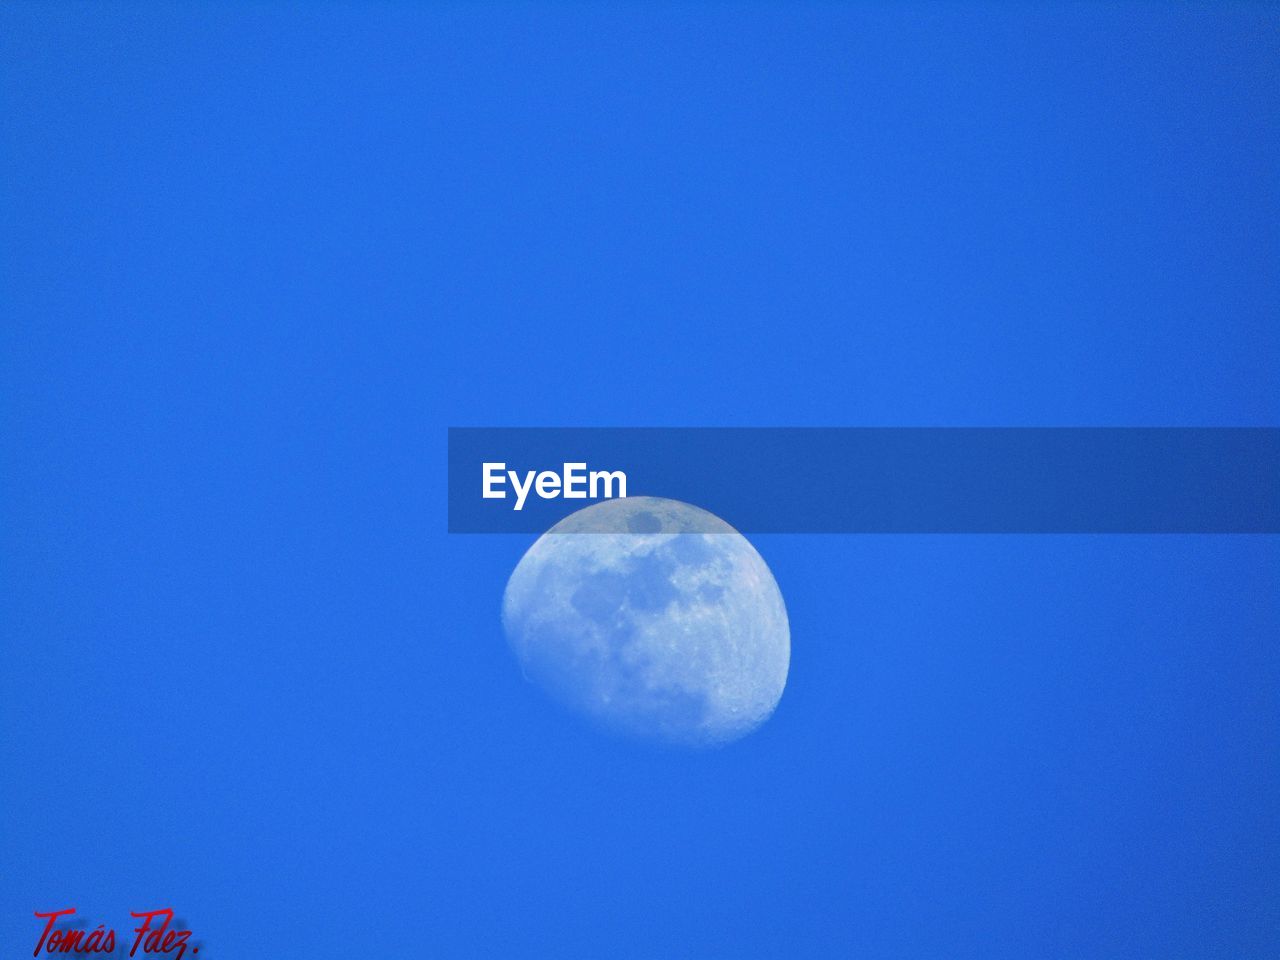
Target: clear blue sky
x=256, y=259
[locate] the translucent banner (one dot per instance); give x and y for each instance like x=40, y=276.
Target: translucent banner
x=877, y=480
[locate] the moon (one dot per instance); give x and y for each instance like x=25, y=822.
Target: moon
x=654, y=619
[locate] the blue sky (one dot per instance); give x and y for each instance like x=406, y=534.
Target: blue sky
x=256, y=260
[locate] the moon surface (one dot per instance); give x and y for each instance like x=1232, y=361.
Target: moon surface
x=653, y=618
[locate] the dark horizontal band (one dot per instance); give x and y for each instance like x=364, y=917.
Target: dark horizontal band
x=881, y=480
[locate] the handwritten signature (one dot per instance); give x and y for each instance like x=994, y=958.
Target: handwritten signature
x=155, y=935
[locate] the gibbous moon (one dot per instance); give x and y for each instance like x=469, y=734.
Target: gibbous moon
x=653, y=618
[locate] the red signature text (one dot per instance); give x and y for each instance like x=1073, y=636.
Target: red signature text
x=154, y=936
